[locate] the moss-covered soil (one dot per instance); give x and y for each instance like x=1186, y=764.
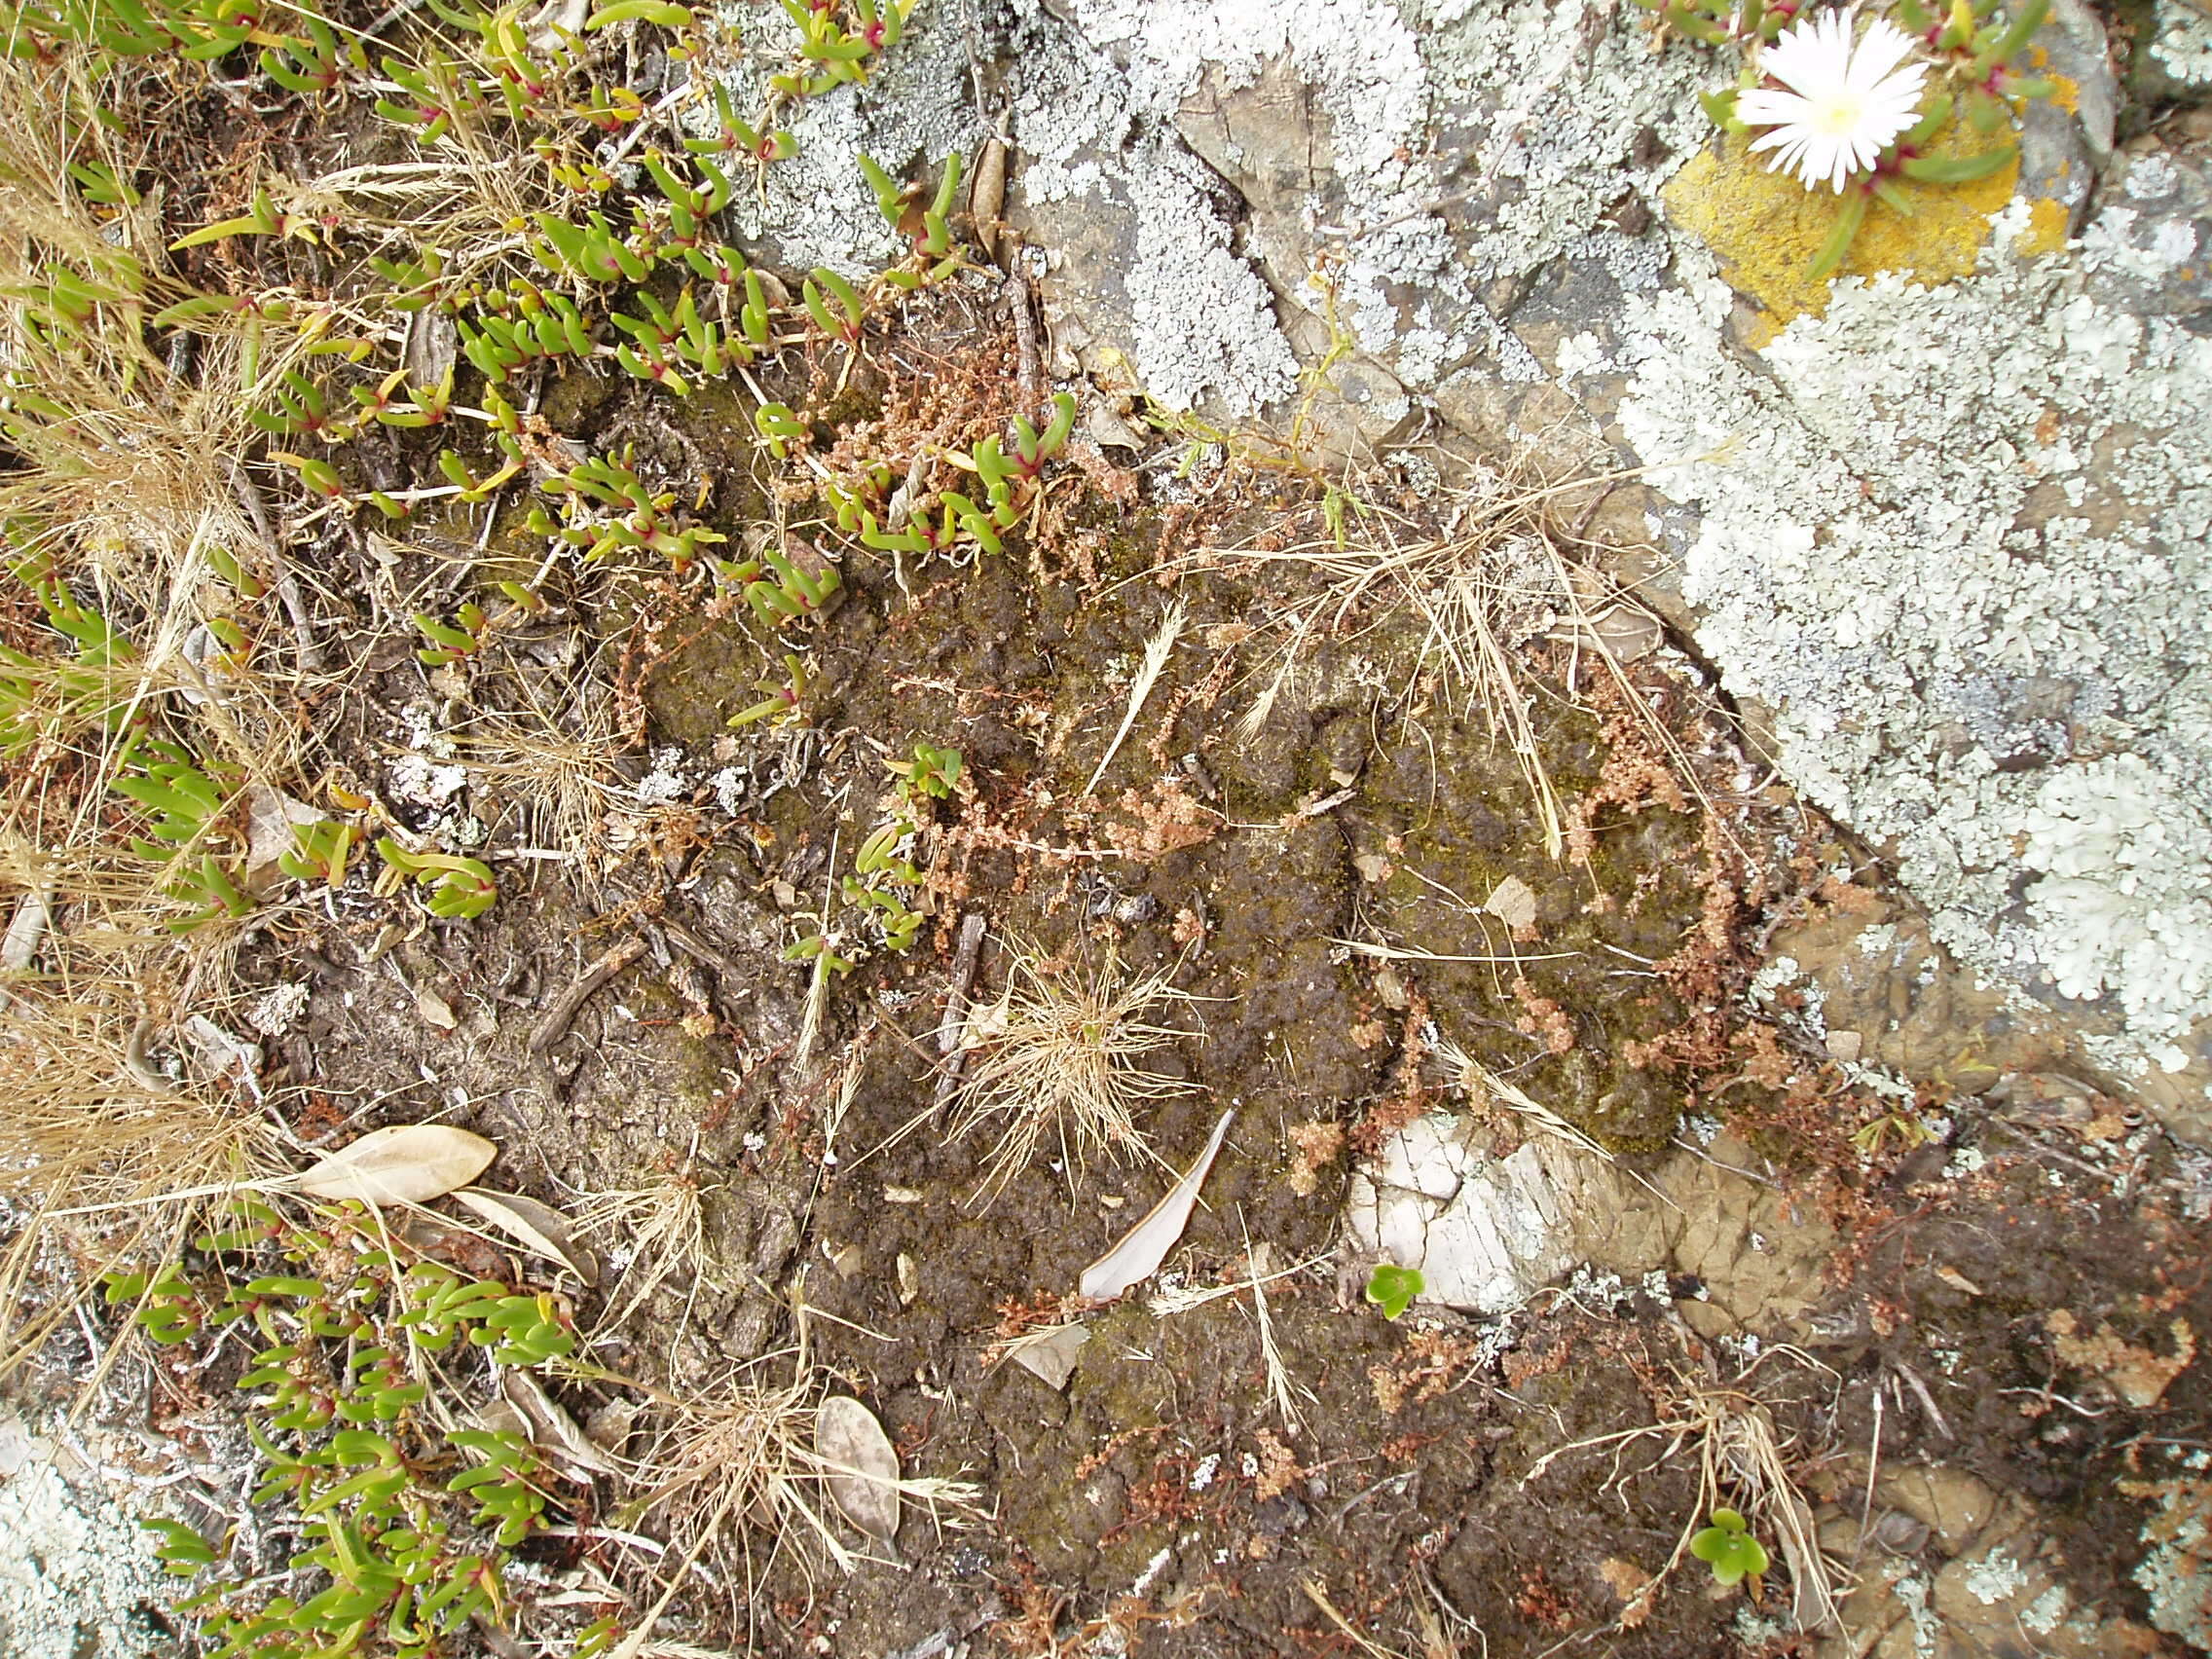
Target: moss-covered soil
x=1165, y=1501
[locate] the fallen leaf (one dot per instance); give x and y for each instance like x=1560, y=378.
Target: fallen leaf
x=552, y=1429
x=1137, y=1257
x=270, y=815
x=433, y=342
x=538, y=1227
x=863, y=1465
x=1631, y=1584
x=407, y=1164
x=1050, y=1354
x=434, y=1009
x=1513, y=901
x=909, y=1279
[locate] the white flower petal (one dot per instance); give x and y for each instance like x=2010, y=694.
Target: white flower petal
x=1846, y=100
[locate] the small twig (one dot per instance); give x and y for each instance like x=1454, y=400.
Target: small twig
x=549, y=1030
x=1926, y=1400
x=287, y=585
x=951, y=1058
x=1031, y=370
x=1873, y=1465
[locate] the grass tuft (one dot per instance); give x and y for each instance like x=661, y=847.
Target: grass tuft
x=1060, y=1060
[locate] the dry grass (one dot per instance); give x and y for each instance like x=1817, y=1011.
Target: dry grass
x=105, y=1161
x=1503, y=573
x=663, y=1230
x=1058, y=1062
x=118, y=481
x=1740, y=1463
x=737, y=1463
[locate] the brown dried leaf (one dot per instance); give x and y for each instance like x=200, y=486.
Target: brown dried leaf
x=1633, y=1585
x=864, y=1466
x=538, y=1227
x=1513, y=901
x=1050, y=1354
x=407, y=1164
x=552, y=1430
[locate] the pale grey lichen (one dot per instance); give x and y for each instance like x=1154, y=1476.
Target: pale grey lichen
x=2172, y=1573
x=815, y=208
x=1952, y=537
x=2182, y=43
x=1203, y=319
x=1996, y=1577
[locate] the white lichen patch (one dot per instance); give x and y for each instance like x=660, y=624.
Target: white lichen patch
x=1996, y=1577
x=816, y=208
x=1201, y=320
x=1953, y=538
x=77, y=1570
x=2183, y=44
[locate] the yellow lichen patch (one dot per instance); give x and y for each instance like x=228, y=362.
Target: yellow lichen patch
x=1767, y=228
x=2047, y=222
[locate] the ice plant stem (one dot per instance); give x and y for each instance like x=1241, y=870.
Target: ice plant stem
x=1847, y=223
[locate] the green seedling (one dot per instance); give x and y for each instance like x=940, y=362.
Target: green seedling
x=821, y=949
x=451, y=642
x=1032, y=448
x=681, y=333
x=933, y=773
x=879, y=869
x=431, y=94
x=778, y=590
x=79, y=688
x=647, y=520
x=206, y=886
x=263, y=219
x=661, y=14
x=591, y=251
x=460, y=889
x=781, y=704
x=850, y=317
x=735, y=136
x=838, y=55
x=231, y=574
x=779, y=428
x=300, y=407
x=182, y=1551
x=523, y=327
x=1392, y=1288
x=182, y=799
x=1729, y=1549
x=319, y=476
x=320, y=852
x=474, y=490
x=316, y=65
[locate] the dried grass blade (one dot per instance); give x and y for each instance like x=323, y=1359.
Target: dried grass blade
x=1156, y=654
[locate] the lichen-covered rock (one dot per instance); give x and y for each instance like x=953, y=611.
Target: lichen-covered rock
x=1940, y=523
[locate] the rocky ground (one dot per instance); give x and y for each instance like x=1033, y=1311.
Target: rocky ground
x=1780, y=1043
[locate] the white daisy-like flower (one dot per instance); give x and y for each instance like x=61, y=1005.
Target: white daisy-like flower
x=1847, y=100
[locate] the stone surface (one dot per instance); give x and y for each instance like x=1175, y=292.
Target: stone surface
x=1940, y=525
x=1484, y=1232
